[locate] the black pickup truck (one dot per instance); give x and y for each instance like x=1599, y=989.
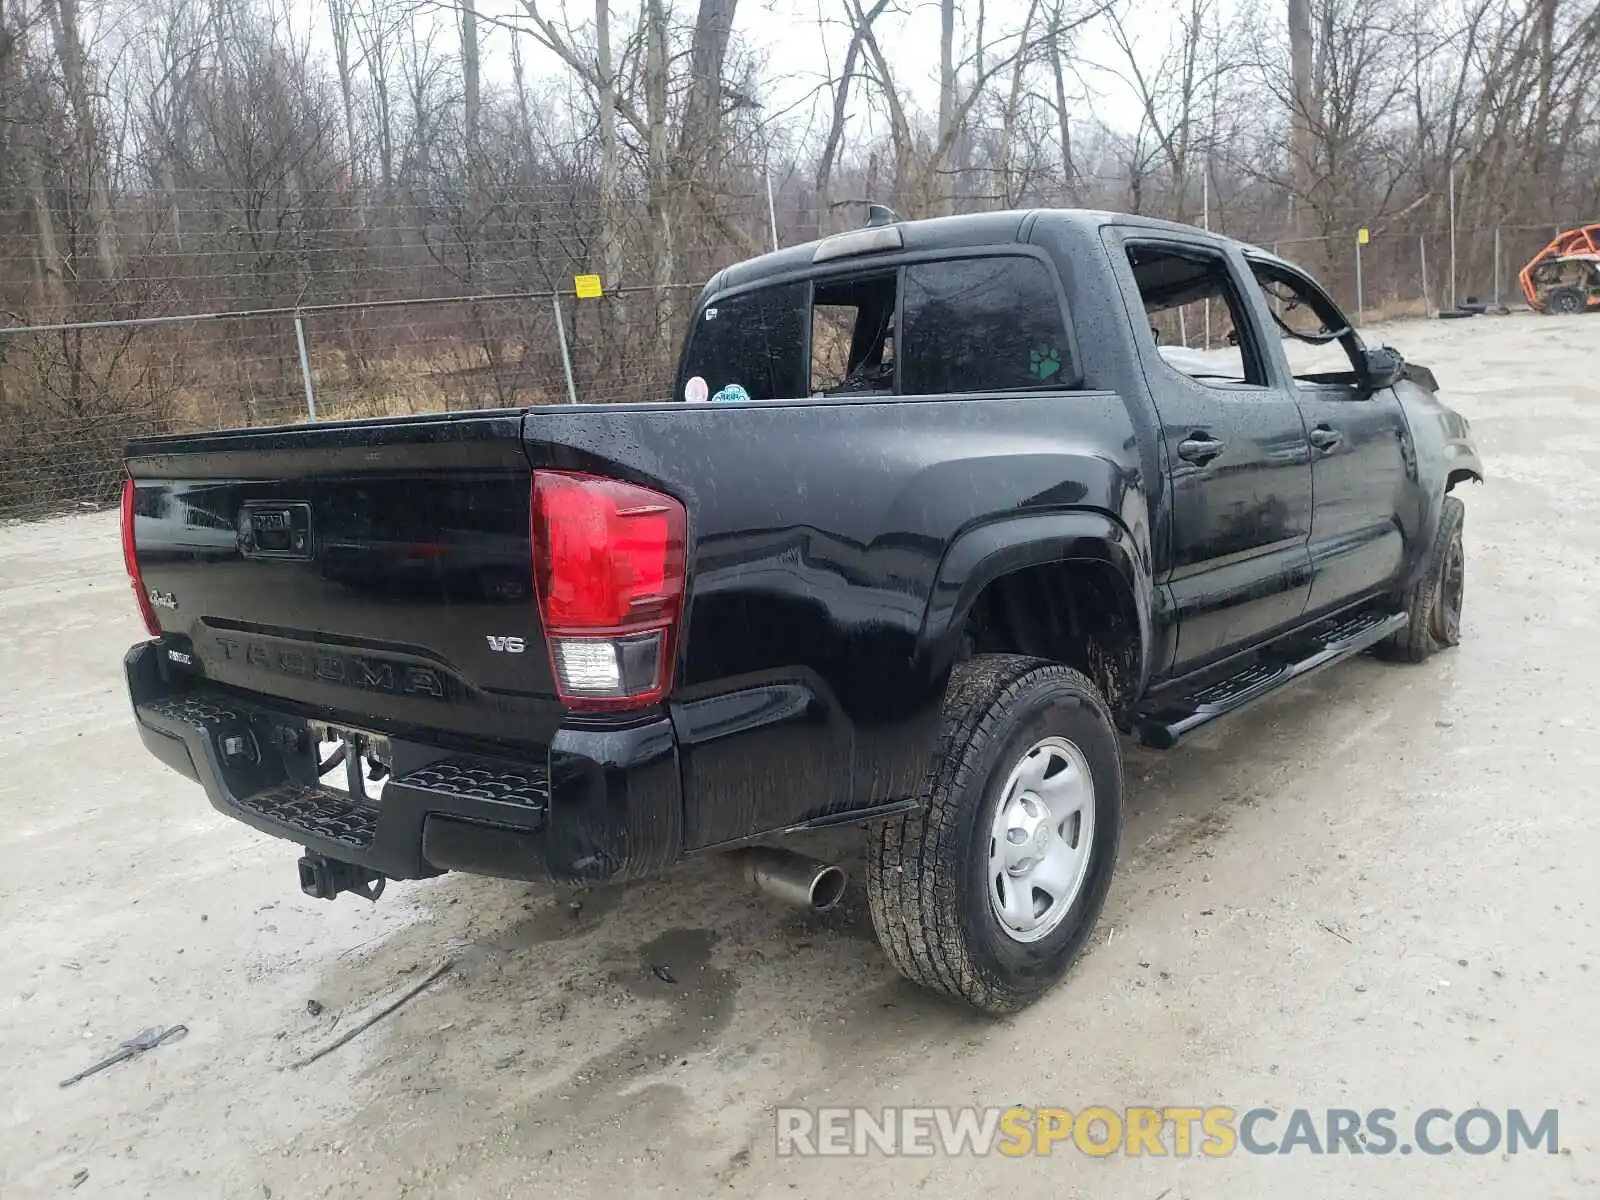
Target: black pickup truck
x=939, y=512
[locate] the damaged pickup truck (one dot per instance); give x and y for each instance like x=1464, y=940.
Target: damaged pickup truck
x=995, y=491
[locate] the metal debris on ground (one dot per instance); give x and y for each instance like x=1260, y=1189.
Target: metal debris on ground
x=409, y=994
x=145, y=1039
x=664, y=974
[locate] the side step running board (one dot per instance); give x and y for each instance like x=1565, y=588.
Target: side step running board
x=1347, y=637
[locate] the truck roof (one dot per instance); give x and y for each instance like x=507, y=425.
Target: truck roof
x=956, y=232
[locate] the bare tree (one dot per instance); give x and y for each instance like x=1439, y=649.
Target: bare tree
x=1059, y=47
x=23, y=107
x=375, y=33
x=1302, y=108
x=605, y=80
x=341, y=20
x=839, y=114
x=472, y=102
x=1170, y=90
x=75, y=70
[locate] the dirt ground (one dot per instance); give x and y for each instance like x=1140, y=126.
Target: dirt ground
x=1376, y=890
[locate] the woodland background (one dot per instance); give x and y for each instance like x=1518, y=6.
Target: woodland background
x=415, y=179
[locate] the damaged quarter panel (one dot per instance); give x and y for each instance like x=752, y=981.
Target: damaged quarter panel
x=1442, y=449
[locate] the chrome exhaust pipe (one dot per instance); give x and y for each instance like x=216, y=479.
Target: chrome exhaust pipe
x=793, y=878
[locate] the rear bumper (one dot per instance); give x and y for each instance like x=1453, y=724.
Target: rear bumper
x=599, y=805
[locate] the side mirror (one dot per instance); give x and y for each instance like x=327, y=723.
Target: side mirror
x=1381, y=367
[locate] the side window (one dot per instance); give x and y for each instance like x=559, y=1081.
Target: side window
x=1195, y=314
x=1317, y=339
x=752, y=344
x=852, y=335
x=982, y=325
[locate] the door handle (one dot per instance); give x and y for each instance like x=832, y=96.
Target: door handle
x=1200, y=448
x=1325, y=438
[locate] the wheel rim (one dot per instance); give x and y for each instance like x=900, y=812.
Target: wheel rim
x=1041, y=840
x=1452, y=585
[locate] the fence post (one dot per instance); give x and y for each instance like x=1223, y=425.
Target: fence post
x=1361, y=300
x=1453, y=305
x=1497, y=266
x=1427, y=297
x=305, y=367
x=772, y=211
x=566, y=358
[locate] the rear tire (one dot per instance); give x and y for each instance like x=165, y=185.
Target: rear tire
x=988, y=892
x=1434, y=602
x=1565, y=301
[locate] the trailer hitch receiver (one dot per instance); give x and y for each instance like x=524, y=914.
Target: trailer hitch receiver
x=324, y=878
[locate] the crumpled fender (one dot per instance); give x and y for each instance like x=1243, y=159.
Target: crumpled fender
x=1444, y=448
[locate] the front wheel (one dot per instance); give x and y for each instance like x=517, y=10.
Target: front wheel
x=988, y=892
x=1434, y=602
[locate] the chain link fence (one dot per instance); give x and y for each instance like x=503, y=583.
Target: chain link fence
x=1415, y=274
x=73, y=393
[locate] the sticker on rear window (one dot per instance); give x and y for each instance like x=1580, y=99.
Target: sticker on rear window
x=696, y=390
x=732, y=392
x=711, y=314
x=1044, y=362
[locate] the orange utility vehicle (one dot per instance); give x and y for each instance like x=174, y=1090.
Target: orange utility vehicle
x=1564, y=277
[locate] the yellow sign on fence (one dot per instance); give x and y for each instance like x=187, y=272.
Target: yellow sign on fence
x=588, y=287
x=1362, y=238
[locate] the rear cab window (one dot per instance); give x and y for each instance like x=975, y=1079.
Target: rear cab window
x=960, y=325
x=751, y=341
x=852, y=334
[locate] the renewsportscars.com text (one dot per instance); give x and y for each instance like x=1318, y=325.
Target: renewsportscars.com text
x=1178, y=1131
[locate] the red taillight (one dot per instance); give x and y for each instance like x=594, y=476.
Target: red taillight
x=130, y=560
x=608, y=568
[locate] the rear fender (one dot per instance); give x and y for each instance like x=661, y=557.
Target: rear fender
x=985, y=552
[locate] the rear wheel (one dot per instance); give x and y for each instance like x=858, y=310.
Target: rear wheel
x=1565, y=300
x=988, y=892
x=1434, y=601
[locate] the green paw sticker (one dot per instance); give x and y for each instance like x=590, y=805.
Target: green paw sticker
x=1044, y=362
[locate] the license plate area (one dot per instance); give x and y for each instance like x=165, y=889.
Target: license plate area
x=352, y=762
x=276, y=530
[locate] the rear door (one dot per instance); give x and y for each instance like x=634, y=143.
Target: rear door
x=1358, y=440
x=1234, y=446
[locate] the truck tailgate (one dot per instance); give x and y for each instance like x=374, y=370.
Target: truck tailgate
x=376, y=572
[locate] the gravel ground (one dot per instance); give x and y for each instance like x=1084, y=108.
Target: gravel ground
x=1375, y=890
